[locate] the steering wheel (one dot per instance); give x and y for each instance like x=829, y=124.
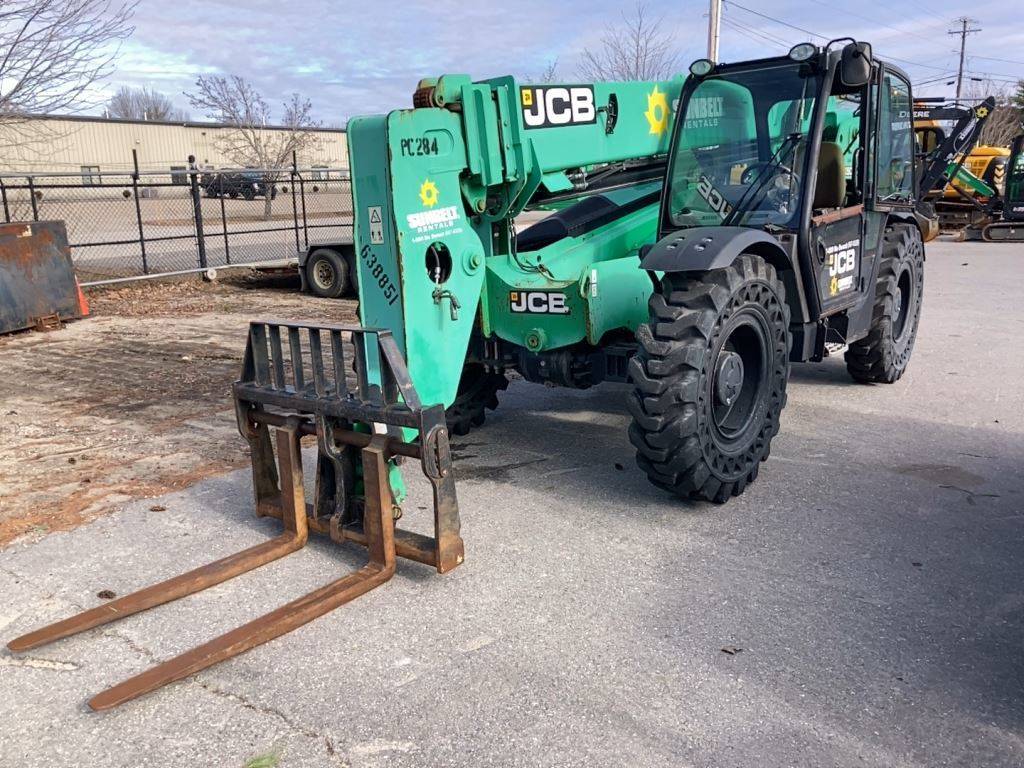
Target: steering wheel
x=776, y=187
x=751, y=172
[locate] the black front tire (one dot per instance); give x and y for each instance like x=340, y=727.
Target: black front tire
x=478, y=393
x=703, y=422
x=327, y=273
x=883, y=355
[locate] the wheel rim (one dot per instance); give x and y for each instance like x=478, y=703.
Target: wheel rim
x=739, y=384
x=323, y=274
x=901, y=309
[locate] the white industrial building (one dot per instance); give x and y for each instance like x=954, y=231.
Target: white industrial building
x=91, y=146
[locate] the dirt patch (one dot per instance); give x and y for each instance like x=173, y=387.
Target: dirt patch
x=134, y=401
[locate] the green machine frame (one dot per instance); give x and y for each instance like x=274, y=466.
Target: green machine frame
x=436, y=189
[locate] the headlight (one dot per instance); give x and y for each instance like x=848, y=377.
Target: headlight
x=802, y=51
x=701, y=67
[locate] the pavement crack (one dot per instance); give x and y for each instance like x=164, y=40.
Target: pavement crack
x=971, y=495
x=32, y=663
x=139, y=649
x=298, y=728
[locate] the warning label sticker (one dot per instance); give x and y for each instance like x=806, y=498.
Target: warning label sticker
x=376, y=225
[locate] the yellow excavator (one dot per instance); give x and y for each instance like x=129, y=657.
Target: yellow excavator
x=975, y=174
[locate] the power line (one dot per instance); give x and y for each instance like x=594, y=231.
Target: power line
x=964, y=22
x=823, y=37
x=993, y=58
x=756, y=35
x=831, y=7
x=777, y=21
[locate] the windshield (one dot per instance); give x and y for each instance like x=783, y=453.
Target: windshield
x=741, y=144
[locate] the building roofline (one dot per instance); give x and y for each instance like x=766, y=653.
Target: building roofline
x=180, y=123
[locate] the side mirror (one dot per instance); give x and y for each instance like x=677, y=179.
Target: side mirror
x=855, y=67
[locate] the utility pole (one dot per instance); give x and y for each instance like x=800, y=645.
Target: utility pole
x=964, y=23
x=714, y=26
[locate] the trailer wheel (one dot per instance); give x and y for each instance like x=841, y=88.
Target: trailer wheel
x=883, y=355
x=327, y=273
x=710, y=379
x=478, y=393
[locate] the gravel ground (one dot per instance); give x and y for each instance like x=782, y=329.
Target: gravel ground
x=133, y=401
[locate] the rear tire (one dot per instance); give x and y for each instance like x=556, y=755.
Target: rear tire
x=710, y=379
x=327, y=274
x=478, y=393
x=883, y=355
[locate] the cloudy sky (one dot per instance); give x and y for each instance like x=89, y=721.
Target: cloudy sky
x=355, y=58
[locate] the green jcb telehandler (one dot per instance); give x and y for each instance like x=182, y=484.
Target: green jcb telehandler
x=706, y=233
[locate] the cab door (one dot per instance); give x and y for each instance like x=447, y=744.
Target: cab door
x=839, y=220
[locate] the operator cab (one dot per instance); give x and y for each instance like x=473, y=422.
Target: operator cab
x=782, y=146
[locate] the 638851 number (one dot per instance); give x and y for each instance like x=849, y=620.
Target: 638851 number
x=376, y=271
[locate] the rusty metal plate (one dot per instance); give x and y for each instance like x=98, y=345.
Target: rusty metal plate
x=37, y=280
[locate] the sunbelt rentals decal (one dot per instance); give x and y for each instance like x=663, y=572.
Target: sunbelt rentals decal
x=432, y=221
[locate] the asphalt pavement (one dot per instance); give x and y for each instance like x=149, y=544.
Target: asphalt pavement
x=860, y=605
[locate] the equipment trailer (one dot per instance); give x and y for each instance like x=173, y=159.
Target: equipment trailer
x=694, y=260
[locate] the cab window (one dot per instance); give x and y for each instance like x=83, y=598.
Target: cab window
x=895, y=157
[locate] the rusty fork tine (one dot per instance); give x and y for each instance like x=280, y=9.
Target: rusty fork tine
x=164, y=592
x=201, y=578
x=379, y=527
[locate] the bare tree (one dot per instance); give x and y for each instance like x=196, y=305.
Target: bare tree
x=51, y=53
x=1005, y=121
x=237, y=104
x=550, y=72
x=637, y=49
x=143, y=104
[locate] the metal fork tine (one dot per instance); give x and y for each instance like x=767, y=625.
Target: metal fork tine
x=380, y=531
x=198, y=579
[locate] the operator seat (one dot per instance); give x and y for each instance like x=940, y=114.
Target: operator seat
x=830, y=190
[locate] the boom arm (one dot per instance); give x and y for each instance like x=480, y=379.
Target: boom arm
x=435, y=189
x=945, y=162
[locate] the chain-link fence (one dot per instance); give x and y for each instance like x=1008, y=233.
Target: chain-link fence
x=127, y=224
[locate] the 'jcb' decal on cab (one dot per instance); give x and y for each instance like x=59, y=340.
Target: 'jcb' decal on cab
x=556, y=105
x=538, y=302
x=842, y=266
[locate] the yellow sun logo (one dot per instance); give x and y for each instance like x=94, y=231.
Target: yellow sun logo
x=981, y=111
x=428, y=193
x=657, y=111
x=833, y=286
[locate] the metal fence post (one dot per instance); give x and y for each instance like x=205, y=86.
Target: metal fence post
x=32, y=197
x=3, y=192
x=197, y=209
x=138, y=210
x=223, y=217
x=302, y=195
x=292, y=173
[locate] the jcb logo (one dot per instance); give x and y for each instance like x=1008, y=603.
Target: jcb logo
x=557, y=105
x=538, y=303
x=842, y=262
x=716, y=202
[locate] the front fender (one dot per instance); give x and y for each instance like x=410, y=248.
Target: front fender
x=704, y=248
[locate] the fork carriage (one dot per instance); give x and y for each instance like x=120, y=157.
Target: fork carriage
x=362, y=431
